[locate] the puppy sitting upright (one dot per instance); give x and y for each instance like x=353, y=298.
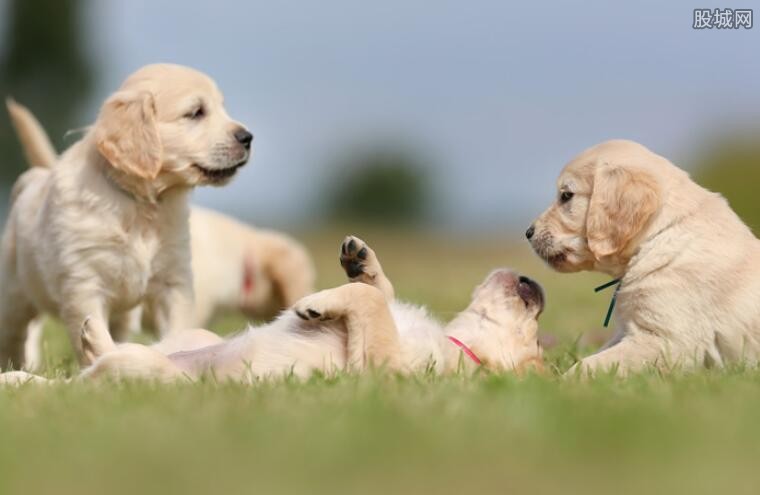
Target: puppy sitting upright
x=106, y=228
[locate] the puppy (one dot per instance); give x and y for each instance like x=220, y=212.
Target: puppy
x=689, y=268
x=235, y=266
x=352, y=327
x=106, y=227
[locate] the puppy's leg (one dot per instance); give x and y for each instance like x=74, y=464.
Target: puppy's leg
x=361, y=265
x=16, y=311
x=19, y=378
x=135, y=362
x=171, y=307
x=373, y=339
x=634, y=353
x=95, y=340
x=33, y=345
x=87, y=323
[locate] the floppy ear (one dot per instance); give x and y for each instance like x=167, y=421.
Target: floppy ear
x=622, y=203
x=126, y=134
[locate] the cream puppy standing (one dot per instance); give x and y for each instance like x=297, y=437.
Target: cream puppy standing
x=235, y=266
x=353, y=327
x=106, y=228
x=689, y=268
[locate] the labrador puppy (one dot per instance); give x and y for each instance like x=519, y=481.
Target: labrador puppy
x=689, y=269
x=106, y=227
x=353, y=327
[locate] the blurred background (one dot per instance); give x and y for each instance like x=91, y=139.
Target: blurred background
x=459, y=114
x=434, y=131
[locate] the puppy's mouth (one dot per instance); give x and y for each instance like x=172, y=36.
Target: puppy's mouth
x=542, y=245
x=530, y=292
x=215, y=175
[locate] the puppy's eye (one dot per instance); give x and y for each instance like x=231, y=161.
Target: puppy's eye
x=566, y=196
x=197, y=113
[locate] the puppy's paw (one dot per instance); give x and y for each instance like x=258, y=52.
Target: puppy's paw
x=315, y=307
x=357, y=259
x=95, y=340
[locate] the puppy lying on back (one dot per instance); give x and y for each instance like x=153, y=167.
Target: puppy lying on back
x=235, y=266
x=689, y=268
x=352, y=327
x=106, y=227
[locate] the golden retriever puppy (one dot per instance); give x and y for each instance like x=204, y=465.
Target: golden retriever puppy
x=352, y=327
x=235, y=266
x=106, y=227
x=689, y=269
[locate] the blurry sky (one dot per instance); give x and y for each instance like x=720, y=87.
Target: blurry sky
x=498, y=95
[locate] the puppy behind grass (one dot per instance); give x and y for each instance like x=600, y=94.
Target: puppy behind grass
x=689, y=268
x=106, y=227
x=352, y=327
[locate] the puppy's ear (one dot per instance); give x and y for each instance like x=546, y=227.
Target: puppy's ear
x=622, y=203
x=126, y=133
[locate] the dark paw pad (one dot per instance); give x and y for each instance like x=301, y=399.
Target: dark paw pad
x=352, y=256
x=309, y=315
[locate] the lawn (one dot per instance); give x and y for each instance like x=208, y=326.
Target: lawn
x=383, y=434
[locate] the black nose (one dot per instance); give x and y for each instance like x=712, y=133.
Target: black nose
x=529, y=233
x=244, y=137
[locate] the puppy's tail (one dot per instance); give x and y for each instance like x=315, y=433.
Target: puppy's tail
x=38, y=150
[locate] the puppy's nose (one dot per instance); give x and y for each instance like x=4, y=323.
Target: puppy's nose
x=529, y=233
x=244, y=137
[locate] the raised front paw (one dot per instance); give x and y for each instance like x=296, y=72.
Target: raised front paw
x=355, y=256
x=314, y=307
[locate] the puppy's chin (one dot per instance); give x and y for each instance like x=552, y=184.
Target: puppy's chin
x=216, y=176
x=563, y=261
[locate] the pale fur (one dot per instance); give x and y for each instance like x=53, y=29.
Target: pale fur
x=353, y=327
x=225, y=252
x=690, y=268
x=106, y=227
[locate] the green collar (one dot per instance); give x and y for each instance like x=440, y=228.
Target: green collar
x=614, y=297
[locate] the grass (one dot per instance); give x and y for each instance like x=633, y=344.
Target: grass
x=694, y=432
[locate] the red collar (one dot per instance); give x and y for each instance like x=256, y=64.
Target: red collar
x=466, y=350
x=249, y=276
